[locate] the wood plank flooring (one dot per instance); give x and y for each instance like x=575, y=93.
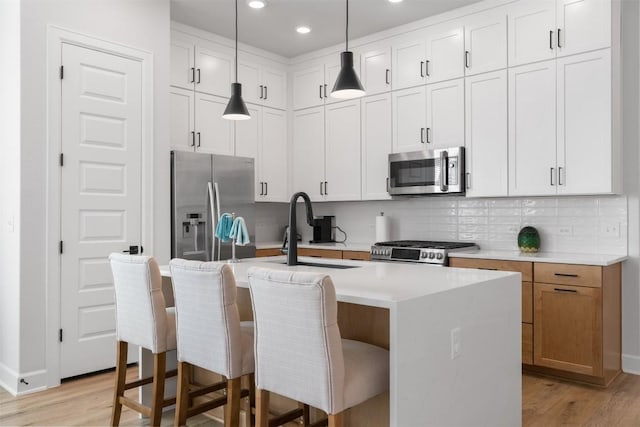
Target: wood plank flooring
x=546, y=402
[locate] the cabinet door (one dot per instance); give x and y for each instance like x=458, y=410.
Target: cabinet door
x=375, y=66
x=182, y=119
x=331, y=71
x=409, y=118
x=249, y=77
x=308, y=152
x=485, y=38
x=445, y=54
x=486, y=134
x=308, y=86
x=445, y=114
x=376, y=146
x=408, y=58
x=182, y=68
x=567, y=328
x=532, y=31
x=584, y=123
x=248, y=134
x=532, y=129
x=342, y=151
x=273, y=156
x=584, y=25
x=214, y=72
x=275, y=88
x=213, y=133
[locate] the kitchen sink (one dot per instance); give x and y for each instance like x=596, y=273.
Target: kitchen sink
x=318, y=264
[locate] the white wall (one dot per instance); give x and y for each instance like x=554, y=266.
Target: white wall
x=140, y=24
x=9, y=190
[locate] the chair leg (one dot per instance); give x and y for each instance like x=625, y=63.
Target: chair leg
x=121, y=376
x=262, y=408
x=305, y=414
x=157, y=395
x=336, y=420
x=182, y=397
x=232, y=410
x=252, y=400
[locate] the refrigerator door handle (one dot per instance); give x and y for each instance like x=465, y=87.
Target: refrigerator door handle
x=213, y=193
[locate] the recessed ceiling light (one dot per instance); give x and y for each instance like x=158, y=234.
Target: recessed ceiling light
x=303, y=30
x=257, y=4
x=395, y=1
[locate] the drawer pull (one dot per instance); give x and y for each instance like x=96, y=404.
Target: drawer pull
x=565, y=275
x=565, y=290
x=490, y=269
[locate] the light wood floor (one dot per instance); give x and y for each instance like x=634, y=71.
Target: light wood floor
x=546, y=402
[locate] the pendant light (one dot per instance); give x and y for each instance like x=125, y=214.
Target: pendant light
x=236, y=108
x=347, y=84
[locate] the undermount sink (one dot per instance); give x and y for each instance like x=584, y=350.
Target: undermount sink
x=318, y=264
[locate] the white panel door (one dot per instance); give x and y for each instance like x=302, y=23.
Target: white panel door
x=308, y=86
x=248, y=135
x=214, y=72
x=182, y=68
x=485, y=38
x=532, y=129
x=213, y=133
x=532, y=31
x=445, y=53
x=375, y=66
x=342, y=151
x=486, y=134
x=273, y=156
x=408, y=61
x=409, y=119
x=445, y=114
x=308, y=152
x=275, y=88
x=100, y=198
x=584, y=123
x=583, y=25
x=331, y=70
x=376, y=146
x=182, y=120
x=249, y=77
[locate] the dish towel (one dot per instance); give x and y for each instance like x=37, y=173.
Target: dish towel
x=223, y=229
x=239, y=232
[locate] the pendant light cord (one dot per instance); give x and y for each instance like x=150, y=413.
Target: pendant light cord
x=236, y=41
x=346, y=36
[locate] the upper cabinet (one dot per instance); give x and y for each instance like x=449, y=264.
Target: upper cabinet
x=376, y=146
x=263, y=85
x=183, y=71
x=445, y=53
x=445, y=114
x=214, y=71
x=375, y=67
x=532, y=29
x=485, y=42
x=313, y=82
x=408, y=60
x=583, y=25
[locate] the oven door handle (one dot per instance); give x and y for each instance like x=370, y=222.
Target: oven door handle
x=444, y=171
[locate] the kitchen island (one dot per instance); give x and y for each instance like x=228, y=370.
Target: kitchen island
x=454, y=338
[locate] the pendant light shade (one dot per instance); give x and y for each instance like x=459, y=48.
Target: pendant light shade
x=236, y=108
x=347, y=84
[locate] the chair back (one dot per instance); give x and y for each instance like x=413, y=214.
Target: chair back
x=141, y=316
x=298, y=348
x=207, y=317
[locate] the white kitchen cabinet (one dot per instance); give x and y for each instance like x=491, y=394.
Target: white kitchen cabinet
x=408, y=61
x=182, y=120
x=409, y=119
x=375, y=67
x=532, y=31
x=213, y=133
x=444, y=53
x=308, y=87
x=342, y=151
x=214, y=71
x=182, y=64
x=486, y=134
x=331, y=70
x=249, y=77
x=485, y=38
x=445, y=114
x=262, y=85
x=249, y=134
x=376, y=146
x=584, y=134
x=583, y=25
x=532, y=129
x=308, y=152
x=272, y=168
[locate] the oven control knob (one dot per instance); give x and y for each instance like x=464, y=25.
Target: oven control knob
x=423, y=255
x=431, y=255
x=439, y=256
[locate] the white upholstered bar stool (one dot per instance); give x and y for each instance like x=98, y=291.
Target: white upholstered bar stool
x=142, y=319
x=299, y=352
x=211, y=336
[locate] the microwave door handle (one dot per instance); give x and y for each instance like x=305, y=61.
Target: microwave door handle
x=444, y=171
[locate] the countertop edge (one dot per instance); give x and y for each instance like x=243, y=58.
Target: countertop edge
x=549, y=257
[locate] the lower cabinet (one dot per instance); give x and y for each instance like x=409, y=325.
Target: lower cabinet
x=319, y=253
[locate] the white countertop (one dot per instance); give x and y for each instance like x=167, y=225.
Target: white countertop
x=378, y=284
x=552, y=257
x=347, y=246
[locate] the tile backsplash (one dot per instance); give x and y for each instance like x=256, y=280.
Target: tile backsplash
x=588, y=224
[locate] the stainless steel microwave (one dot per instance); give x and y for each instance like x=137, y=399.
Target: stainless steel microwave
x=427, y=172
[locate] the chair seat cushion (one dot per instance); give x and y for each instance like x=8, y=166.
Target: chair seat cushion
x=366, y=370
x=248, y=359
x=171, y=329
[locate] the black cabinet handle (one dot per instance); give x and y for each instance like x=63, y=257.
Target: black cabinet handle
x=320, y=91
x=427, y=131
x=133, y=250
x=325, y=90
x=559, y=44
x=468, y=180
x=551, y=39
x=426, y=67
x=261, y=92
x=490, y=269
x=266, y=188
x=321, y=193
x=565, y=290
x=551, y=175
x=422, y=135
x=193, y=139
x=560, y=175
x=386, y=76
x=266, y=92
x=466, y=58
x=421, y=68
x=193, y=75
x=262, y=188
x=565, y=275
x=199, y=140
x=198, y=76
x=326, y=186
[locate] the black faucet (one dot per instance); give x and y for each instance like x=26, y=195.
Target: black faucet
x=292, y=251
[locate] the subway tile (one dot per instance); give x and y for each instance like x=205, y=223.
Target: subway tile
x=473, y=203
x=473, y=212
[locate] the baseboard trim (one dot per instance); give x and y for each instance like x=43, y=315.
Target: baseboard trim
x=631, y=364
x=8, y=379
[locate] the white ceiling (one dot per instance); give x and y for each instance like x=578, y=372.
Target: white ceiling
x=273, y=27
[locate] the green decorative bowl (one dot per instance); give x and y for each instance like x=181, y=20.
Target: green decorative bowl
x=529, y=240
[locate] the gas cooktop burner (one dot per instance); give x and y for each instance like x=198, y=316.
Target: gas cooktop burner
x=418, y=251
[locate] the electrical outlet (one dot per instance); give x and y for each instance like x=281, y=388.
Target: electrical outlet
x=611, y=229
x=456, y=343
x=565, y=230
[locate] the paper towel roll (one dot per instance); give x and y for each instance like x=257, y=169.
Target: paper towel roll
x=383, y=228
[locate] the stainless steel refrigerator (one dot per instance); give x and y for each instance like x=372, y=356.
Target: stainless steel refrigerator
x=204, y=186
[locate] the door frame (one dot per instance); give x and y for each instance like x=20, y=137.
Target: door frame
x=56, y=37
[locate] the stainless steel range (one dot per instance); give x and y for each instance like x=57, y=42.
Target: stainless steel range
x=418, y=251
